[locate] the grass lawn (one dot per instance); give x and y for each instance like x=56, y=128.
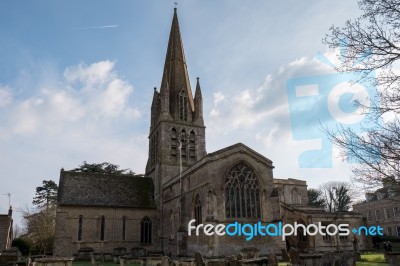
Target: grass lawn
x=372, y=259
x=367, y=259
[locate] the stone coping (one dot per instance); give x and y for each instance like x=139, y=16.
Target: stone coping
x=56, y=259
x=311, y=255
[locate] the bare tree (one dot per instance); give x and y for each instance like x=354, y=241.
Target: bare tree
x=39, y=229
x=372, y=43
x=337, y=196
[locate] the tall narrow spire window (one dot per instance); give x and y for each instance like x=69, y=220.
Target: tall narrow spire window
x=145, y=234
x=242, y=193
x=192, y=146
x=183, y=145
x=174, y=141
x=183, y=105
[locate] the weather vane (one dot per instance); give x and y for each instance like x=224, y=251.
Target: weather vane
x=176, y=4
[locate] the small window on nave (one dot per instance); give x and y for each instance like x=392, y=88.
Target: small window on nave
x=124, y=220
x=242, y=193
x=145, y=233
x=102, y=227
x=80, y=227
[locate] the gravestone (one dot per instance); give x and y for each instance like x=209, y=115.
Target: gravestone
x=294, y=257
x=272, y=260
x=328, y=259
x=166, y=261
x=198, y=259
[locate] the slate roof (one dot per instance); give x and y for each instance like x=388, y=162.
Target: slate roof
x=108, y=190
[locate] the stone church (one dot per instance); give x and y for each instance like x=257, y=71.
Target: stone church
x=109, y=213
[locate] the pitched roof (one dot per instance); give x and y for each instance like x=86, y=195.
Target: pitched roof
x=219, y=154
x=88, y=189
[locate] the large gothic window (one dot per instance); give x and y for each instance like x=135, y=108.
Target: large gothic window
x=145, y=233
x=182, y=105
x=242, y=193
x=197, y=210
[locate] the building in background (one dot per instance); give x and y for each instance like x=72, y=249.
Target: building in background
x=382, y=207
x=6, y=230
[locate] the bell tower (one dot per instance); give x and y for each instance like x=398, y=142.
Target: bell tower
x=177, y=131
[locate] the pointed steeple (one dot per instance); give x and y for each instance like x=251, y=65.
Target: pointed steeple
x=175, y=78
x=198, y=104
x=155, y=108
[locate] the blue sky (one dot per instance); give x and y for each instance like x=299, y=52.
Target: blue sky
x=76, y=80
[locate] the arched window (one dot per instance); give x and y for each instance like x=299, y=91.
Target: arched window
x=145, y=234
x=102, y=227
x=192, y=146
x=183, y=146
x=174, y=142
x=80, y=225
x=182, y=105
x=242, y=193
x=124, y=219
x=295, y=195
x=197, y=210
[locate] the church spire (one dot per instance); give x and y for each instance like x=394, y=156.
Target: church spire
x=175, y=81
x=198, y=104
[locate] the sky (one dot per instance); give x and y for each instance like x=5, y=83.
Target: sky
x=77, y=79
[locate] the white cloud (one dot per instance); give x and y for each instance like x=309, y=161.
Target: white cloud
x=96, y=73
x=260, y=118
x=100, y=95
x=5, y=97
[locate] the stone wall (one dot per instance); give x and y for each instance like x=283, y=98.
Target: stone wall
x=66, y=242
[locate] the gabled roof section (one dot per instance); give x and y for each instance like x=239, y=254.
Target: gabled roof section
x=175, y=70
x=225, y=152
x=108, y=190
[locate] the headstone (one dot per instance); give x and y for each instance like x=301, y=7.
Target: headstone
x=328, y=259
x=272, y=260
x=347, y=259
x=285, y=255
x=294, y=257
x=198, y=259
x=93, y=260
x=166, y=261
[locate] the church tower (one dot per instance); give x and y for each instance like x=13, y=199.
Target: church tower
x=177, y=131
